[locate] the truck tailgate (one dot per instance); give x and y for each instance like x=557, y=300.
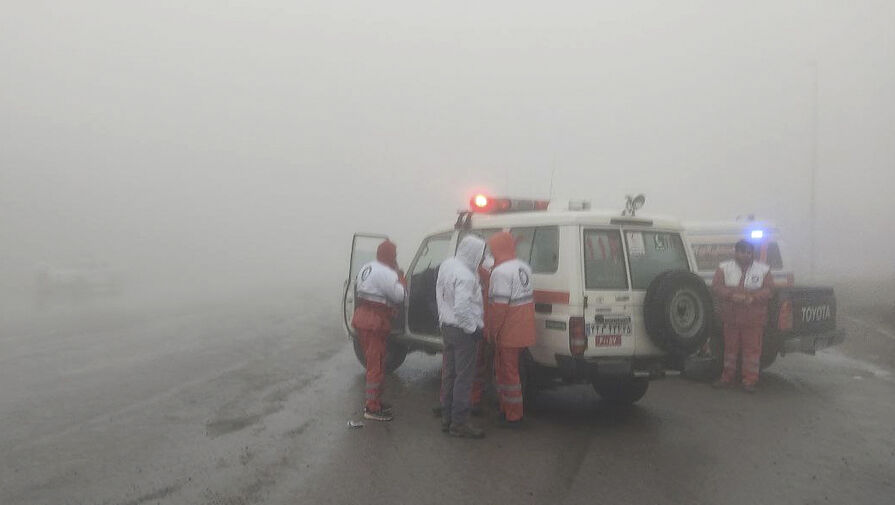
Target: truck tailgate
x=813, y=308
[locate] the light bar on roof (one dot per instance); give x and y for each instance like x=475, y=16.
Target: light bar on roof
x=485, y=204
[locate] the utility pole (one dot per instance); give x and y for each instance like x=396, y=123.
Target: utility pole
x=813, y=186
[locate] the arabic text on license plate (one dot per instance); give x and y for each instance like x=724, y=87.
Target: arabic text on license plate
x=608, y=341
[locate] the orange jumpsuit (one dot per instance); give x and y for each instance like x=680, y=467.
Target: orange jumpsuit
x=511, y=320
x=372, y=320
x=744, y=324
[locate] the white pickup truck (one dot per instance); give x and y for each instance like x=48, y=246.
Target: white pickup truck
x=801, y=318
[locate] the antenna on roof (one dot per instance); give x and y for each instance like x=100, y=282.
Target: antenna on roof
x=632, y=204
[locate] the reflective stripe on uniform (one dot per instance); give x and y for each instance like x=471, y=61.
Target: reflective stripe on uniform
x=372, y=298
x=522, y=300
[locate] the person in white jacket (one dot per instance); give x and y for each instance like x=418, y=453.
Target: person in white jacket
x=460, y=312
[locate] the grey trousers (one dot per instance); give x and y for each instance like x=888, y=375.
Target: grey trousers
x=457, y=373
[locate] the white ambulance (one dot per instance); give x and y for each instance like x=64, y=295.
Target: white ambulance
x=616, y=297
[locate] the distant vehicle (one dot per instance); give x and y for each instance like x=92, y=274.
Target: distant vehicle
x=83, y=279
x=616, y=297
x=801, y=318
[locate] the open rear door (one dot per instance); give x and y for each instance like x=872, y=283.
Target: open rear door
x=363, y=250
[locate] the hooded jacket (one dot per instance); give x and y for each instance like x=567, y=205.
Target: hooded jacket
x=511, y=312
x=457, y=289
x=378, y=288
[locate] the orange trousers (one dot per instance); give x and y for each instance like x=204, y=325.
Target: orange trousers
x=747, y=339
x=509, y=387
x=374, y=344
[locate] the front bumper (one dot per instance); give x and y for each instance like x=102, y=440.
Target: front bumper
x=809, y=344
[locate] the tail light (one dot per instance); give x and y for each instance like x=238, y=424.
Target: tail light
x=577, y=337
x=784, y=317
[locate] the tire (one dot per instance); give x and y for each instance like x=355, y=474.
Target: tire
x=677, y=311
x=770, y=348
x=709, y=369
x=395, y=354
x=621, y=391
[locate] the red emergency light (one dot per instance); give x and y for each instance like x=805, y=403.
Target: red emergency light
x=491, y=205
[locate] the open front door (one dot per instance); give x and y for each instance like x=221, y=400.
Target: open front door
x=363, y=250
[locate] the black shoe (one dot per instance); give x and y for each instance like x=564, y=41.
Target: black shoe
x=465, y=431
x=377, y=415
x=749, y=388
x=385, y=407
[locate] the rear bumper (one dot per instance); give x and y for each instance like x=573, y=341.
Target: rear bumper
x=572, y=368
x=809, y=344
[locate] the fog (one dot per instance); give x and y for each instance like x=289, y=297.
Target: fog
x=220, y=146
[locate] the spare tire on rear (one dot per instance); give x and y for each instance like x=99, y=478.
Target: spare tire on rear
x=677, y=311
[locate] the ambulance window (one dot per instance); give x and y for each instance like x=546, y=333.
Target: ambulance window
x=545, y=250
x=604, y=262
x=524, y=238
x=651, y=253
x=483, y=234
x=433, y=251
x=774, y=259
x=709, y=256
x=539, y=247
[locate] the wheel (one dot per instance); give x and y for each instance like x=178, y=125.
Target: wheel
x=395, y=354
x=621, y=391
x=709, y=368
x=677, y=311
x=770, y=348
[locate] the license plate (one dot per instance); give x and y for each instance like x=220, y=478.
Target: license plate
x=608, y=341
x=612, y=326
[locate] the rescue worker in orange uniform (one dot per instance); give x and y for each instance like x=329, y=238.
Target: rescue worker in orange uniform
x=511, y=323
x=379, y=290
x=743, y=287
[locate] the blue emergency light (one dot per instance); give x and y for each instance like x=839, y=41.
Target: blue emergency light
x=757, y=233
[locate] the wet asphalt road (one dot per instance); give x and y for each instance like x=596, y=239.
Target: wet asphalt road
x=247, y=402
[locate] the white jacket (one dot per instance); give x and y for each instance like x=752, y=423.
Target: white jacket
x=733, y=274
x=511, y=283
x=458, y=291
x=378, y=283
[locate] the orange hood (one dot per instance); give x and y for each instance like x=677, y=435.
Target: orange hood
x=503, y=247
x=387, y=254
